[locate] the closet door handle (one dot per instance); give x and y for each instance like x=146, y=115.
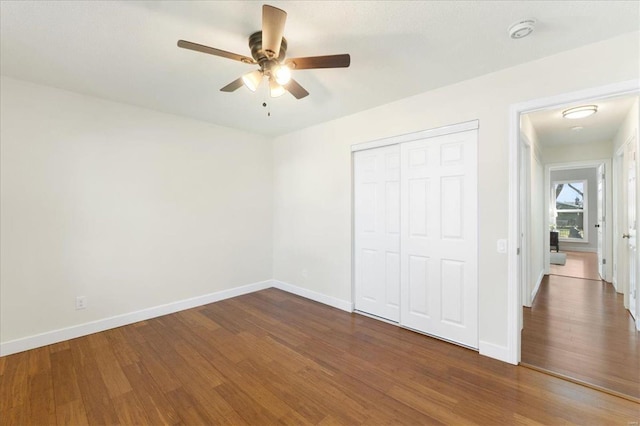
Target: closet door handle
x=626, y=236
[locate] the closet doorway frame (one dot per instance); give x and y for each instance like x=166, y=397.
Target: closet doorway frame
x=396, y=140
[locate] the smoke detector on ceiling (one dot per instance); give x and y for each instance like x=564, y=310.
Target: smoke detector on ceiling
x=522, y=28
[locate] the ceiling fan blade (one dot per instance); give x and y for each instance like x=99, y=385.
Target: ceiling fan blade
x=213, y=51
x=273, y=20
x=233, y=86
x=328, y=61
x=295, y=89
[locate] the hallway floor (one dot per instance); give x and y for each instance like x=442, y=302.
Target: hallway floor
x=579, y=265
x=579, y=328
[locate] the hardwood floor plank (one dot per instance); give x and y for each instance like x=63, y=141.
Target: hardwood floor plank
x=197, y=318
x=13, y=383
x=579, y=328
x=154, y=401
x=39, y=360
x=65, y=383
x=90, y=382
x=245, y=406
x=130, y=410
x=191, y=413
x=578, y=265
x=42, y=409
x=60, y=346
x=71, y=413
x=275, y=358
x=3, y=365
x=114, y=379
x=162, y=374
x=123, y=351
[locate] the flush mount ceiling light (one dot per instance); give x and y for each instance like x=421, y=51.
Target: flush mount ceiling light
x=580, y=112
x=522, y=28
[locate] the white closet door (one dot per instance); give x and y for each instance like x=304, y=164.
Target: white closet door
x=439, y=237
x=377, y=231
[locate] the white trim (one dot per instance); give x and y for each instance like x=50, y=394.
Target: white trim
x=514, y=286
x=585, y=206
x=617, y=165
x=513, y=283
x=563, y=247
x=494, y=351
x=574, y=240
x=388, y=321
x=423, y=134
x=60, y=335
x=315, y=296
x=534, y=292
x=574, y=165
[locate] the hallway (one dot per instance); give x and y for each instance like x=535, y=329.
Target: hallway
x=579, y=328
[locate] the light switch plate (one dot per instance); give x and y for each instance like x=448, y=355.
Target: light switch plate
x=502, y=246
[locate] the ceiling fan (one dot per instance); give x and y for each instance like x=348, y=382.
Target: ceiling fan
x=268, y=50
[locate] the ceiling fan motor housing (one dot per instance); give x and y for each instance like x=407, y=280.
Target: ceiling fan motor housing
x=260, y=55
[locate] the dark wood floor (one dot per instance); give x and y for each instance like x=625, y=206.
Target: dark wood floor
x=271, y=357
x=579, y=328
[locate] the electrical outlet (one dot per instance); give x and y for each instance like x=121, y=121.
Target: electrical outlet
x=81, y=302
x=305, y=273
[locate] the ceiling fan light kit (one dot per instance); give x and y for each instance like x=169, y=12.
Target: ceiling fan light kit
x=282, y=74
x=252, y=80
x=268, y=51
x=275, y=89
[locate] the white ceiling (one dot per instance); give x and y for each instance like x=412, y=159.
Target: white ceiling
x=126, y=51
x=553, y=129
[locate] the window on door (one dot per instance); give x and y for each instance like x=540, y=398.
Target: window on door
x=570, y=215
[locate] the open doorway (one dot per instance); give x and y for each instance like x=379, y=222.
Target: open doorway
x=578, y=231
x=575, y=323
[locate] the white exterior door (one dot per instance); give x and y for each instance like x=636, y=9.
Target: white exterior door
x=631, y=229
x=439, y=229
x=377, y=231
x=600, y=221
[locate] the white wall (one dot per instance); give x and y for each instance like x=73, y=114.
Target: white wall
x=128, y=207
x=576, y=152
x=312, y=201
x=628, y=128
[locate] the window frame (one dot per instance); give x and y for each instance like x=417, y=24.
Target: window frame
x=584, y=210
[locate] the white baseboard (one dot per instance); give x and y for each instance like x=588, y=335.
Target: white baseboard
x=315, y=296
x=534, y=292
x=494, y=351
x=60, y=335
x=31, y=342
x=578, y=248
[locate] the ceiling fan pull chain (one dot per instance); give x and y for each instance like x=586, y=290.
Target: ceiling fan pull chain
x=265, y=93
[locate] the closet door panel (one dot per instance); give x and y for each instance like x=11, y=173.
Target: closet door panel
x=438, y=186
x=377, y=231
